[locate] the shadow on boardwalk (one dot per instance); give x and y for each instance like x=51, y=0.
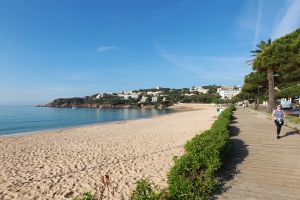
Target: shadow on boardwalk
x=290, y=133
x=239, y=153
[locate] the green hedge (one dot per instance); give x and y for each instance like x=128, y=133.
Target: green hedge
x=193, y=175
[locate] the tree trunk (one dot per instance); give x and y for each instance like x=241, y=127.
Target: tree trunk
x=271, y=102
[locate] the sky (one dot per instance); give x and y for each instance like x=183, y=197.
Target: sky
x=61, y=48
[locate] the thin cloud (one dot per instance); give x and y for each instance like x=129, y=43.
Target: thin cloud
x=289, y=21
x=210, y=68
x=245, y=23
x=258, y=23
x=105, y=48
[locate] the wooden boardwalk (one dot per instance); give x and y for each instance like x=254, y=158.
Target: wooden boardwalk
x=264, y=167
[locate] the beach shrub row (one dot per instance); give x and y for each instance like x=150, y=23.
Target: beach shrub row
x=193, y=175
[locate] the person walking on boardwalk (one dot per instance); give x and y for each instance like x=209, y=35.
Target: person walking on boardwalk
x=277, y=117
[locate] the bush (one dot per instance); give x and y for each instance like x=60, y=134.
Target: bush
x=193, y=174
x=145, y=191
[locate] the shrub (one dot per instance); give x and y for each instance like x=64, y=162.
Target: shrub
x=145, y=191
x=193, y=174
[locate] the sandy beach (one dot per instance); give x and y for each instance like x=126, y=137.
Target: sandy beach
x=65, y=163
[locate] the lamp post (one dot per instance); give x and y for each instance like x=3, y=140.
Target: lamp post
x=258, y=96
x=299, y=103
x=273, y=88
x=299, y=106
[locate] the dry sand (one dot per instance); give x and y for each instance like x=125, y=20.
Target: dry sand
x=65, y=163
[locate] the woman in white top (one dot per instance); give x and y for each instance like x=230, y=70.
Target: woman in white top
x=277, y=117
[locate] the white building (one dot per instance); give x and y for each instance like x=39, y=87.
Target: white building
x=99, y=95
x=199, y=89
x=126, y=96
x=154, y=99
x=143, y=100
x=228, y=91
x=134, y=96
x=165, y=99
x=157, y=93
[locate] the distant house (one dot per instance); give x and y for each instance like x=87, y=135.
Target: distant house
x=143, y=100
x=126, y=96
x=154, y=99
x=134, y=96
x=228, y=91
x=128, y=92
x=165, y=99
x=199, y=89
x=99, y=95
x=157, y=93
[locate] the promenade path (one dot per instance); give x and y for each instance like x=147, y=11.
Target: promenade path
x=262, y=166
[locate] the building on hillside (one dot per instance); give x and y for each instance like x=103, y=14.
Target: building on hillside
x=199, y=89
x=228, y=91
x=154, y=99
x=127, y=96
x=143, y=100
x=99, y=95
x=134, y=96
x=157, y=93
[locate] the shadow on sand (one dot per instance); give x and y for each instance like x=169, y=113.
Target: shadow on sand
x=229, y=170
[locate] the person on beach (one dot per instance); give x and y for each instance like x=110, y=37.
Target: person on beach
x=277, y=117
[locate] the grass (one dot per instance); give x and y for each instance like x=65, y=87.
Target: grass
x=293, y=119
x=289, y=118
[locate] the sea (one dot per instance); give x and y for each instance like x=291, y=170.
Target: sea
x=25, y=119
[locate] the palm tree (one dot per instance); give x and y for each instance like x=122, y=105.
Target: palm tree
x=260, y=47
x=282, y=52
x=270, y=71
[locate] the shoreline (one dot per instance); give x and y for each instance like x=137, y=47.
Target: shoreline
x=85, y=125
x=184, y=108
x=65, y=163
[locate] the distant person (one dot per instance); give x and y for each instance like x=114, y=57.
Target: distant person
x=221, y=111
x=277, y=117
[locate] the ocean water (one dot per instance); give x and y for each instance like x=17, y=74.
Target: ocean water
x=22, y=119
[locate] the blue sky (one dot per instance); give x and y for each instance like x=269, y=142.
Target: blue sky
x=51, y=49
